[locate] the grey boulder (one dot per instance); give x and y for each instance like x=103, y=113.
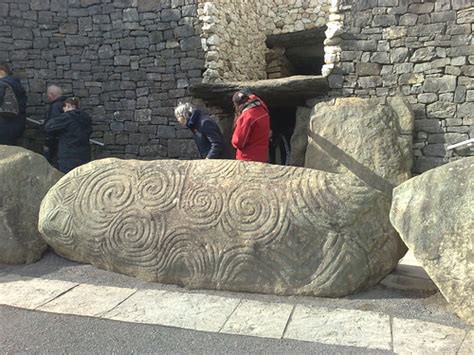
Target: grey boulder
x=25, y=178
x=232, y=225
x=433, y=213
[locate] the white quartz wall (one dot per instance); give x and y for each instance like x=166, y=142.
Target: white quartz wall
x=234, y=33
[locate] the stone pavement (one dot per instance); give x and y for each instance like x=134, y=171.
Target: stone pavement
x=401, y=320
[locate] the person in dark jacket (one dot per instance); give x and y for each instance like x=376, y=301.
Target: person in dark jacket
x=12, y=107
x=56, y=102
x=72, y=129
x=207, y=135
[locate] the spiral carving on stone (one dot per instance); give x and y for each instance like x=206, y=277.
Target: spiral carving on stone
x=202, y=204
x=158, y=188
x=133, y=237
x=215, y=169
x=254, y=213
x=104, y=193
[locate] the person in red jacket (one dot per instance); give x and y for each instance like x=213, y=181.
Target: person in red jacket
x=251, y=127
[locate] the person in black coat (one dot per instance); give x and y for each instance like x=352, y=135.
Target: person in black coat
x=12, y=107
x=206, y=133
x=72, y=129
x=56, y=102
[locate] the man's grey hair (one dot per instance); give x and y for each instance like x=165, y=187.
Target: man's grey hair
x=55, y=90
x=183, y=111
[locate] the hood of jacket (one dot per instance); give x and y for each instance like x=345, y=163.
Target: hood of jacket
x=15, y=84
x=194, y=120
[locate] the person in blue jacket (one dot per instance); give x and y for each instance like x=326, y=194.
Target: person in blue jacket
x=72, y=129
x=206, y=132
x=12, y=107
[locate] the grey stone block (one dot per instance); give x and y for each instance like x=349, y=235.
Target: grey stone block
x=435, y=150
x=384, y=20
x=428, y=125
x=427, y=98
x=421, y=8
x=168, y=15
x=143, y=115
x=130, y=15
x=4, y=9
x=39, y=5
x=181, y=148
x=423, y=55
x=148, y=5
x=442, y=84
x=447, y=138
x=441, y=109
x=466, y=109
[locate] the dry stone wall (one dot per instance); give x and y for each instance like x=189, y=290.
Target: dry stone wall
x=129, y=61
x=234, y=33
x=420, y=49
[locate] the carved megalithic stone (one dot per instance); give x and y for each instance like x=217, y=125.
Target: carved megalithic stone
x=434, y=213
x=233, y=225
x=25, y=178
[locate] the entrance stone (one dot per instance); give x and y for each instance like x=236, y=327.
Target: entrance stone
x=25, y=178
x=433, y=213
x=240, y=226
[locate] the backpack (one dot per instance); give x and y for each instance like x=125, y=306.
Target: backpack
x=9, y=103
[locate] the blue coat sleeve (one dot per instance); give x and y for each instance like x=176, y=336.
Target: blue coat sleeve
x=214, y=136
x=57, y=124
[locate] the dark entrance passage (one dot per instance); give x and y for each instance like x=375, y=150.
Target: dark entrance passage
x=282, y=123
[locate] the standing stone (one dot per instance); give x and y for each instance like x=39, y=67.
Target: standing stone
x=299, y=139
x=25, y=177
x=433, y=213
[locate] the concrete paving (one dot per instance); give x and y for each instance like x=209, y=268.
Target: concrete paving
x=400, y=320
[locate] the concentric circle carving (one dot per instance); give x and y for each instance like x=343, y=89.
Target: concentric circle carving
x=202, y=204
x=158, y=188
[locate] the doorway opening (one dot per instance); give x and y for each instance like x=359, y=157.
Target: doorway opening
x=297, y=53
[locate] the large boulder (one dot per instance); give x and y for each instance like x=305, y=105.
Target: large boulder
x=434, y=214
x=25, y=178
x=230, y=225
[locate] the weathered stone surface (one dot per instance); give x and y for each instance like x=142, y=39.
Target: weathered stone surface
x=299, y=139
x=25, y=177
x=433, y=213
x=231, y=225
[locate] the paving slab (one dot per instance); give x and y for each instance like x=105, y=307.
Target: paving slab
x=190, y=311
x=88, y=300
x=415, y=336
x=31, y=293
x=467, y=346
x=262, y=319
x=338, y=326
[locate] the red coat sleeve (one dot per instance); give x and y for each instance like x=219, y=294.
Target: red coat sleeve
x=241, y=131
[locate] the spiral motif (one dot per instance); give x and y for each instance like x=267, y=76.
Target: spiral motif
x=202, y=204
x=133, y=238
x=158, y=188
x=102, y=194
x=255, y=213
x=215, y=169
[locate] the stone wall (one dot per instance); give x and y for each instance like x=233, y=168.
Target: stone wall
x=420, y=48
x=234, y=33
x=129, y=61
x=233, y=41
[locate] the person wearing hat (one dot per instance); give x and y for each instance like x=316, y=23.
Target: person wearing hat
x=12, y=107
x=206, y=133
x=251, y=127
